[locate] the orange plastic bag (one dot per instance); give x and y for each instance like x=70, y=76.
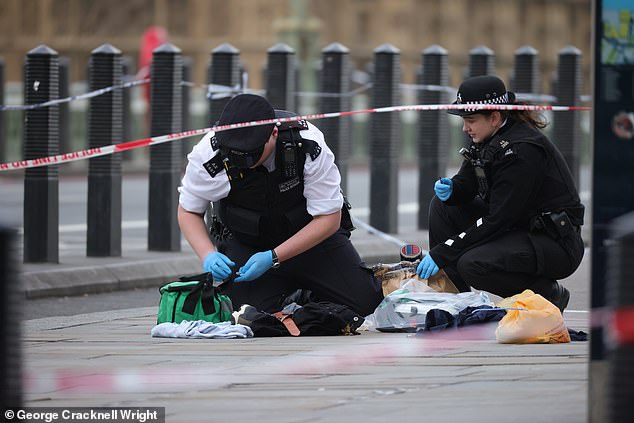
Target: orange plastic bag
x=538, y=321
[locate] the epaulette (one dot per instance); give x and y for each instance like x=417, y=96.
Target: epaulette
x=498, y=147
x=505, y=146
x=214, y=166
x=312, y=148
x=214, y=143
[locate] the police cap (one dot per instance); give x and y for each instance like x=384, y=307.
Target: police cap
x=245, y=108
x=485, y=89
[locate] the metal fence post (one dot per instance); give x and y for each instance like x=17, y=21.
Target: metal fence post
x=281, y=77
x=526, y=71
x=10, y=331
x=433, y=128
x=165, y=159
x=566, y=132
x=385, y=141
x=335, y=79
x=224, y=69
x=41, y=139
x=481, y=61
x=105, y=127
x=620, y=302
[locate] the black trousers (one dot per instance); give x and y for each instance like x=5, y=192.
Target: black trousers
x=510, y=263
x=332, y=270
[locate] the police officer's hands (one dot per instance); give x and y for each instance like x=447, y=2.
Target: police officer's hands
x=427, y=267
x=218, y=264
x=443, y=188
x=255, y=267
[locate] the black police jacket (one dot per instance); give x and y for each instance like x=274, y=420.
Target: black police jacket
x=264, y=209
x=526, y=175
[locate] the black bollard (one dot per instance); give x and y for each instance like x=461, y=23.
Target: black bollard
x=41, y=139
x=433, y=129
x=566, y=132
x=526, y=71
x=165, y=159
x=105, y=127
x=385, y=141
x=620, y=302
x=65, y=142
x=224, y=69
x=281, y=77
x=335, y=79
x=481, y=61
x=10, y=321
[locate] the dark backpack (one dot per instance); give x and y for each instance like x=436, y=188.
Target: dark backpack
x=312, y=319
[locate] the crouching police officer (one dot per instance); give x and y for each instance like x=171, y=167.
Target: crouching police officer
x=277, y=192
x=510, y=219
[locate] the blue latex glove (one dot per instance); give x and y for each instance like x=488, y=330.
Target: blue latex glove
x=443, y=188
x=255, y=267
x=427, y=267
x=218, y=264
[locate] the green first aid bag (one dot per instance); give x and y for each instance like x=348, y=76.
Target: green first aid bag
x=193, y=298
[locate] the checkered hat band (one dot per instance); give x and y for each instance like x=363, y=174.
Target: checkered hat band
x=503, y=99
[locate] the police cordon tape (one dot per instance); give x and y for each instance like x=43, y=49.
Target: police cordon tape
x=130, y=145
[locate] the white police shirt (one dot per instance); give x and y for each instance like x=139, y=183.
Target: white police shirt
x=321, y=178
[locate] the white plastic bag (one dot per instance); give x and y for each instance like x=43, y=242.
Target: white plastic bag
x=406, y=310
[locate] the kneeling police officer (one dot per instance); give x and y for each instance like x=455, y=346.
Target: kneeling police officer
x=510, y=219
x=276, y=190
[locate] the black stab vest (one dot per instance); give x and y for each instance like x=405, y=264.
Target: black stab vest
x=263, y=209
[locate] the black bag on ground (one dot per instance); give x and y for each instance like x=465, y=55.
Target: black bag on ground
x=313, y=319
x=325, y=318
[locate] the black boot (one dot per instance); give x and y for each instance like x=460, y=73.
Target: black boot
x=559, y=297
x=553, y=292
